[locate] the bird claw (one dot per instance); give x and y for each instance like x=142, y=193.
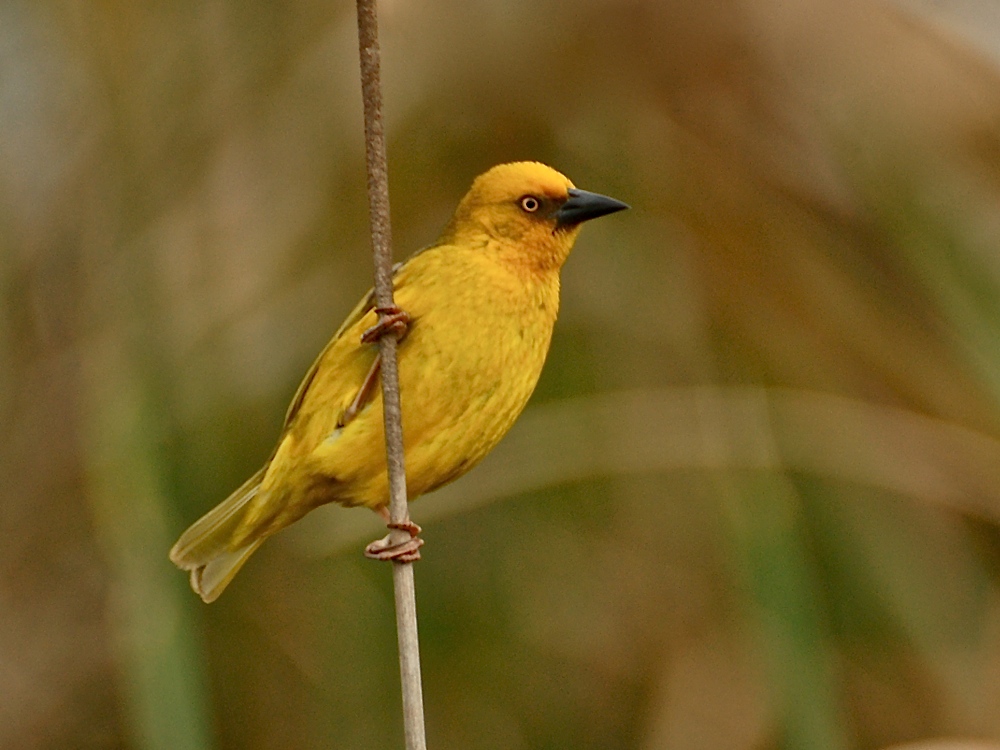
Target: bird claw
x=387, y=548
x=407, y=526
x=391, y=319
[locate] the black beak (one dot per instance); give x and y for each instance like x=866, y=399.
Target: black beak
x=583, y=206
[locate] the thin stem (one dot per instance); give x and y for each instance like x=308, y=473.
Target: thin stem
x=378, y=202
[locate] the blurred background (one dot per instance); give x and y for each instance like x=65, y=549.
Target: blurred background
x=754, y=500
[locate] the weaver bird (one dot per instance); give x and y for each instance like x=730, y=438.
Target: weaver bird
x=478, y=307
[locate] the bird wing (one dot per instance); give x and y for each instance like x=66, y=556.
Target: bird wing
x=367, y=303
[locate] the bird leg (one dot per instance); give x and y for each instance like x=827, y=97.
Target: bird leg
x=395, y=320
x=387, y=548
x=361, y=398
x=389, y=319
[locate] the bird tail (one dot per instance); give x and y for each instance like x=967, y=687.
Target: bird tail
x=206, y=548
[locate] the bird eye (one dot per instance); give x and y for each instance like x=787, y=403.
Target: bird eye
x=530, y=203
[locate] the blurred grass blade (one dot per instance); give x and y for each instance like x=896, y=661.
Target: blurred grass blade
x=158, y=654
x=770, y=561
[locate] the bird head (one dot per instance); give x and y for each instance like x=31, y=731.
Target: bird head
x=527, y=212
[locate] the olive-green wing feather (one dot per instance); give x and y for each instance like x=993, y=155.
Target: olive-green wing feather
x=367, y=303
x=209, y=548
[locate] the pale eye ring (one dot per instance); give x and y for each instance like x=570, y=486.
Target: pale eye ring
x=530, y=204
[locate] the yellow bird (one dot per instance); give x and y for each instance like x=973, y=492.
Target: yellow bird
x=480, y=304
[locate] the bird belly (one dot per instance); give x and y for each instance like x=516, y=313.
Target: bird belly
x=465, y=376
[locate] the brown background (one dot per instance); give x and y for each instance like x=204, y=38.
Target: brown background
x=753, y=503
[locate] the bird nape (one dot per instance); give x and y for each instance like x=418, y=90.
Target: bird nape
x=478, y=307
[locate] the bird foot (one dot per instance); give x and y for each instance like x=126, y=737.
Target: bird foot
x=389, y=319
x=405, y=551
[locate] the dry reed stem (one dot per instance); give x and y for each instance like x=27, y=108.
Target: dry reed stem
x=378, y=200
